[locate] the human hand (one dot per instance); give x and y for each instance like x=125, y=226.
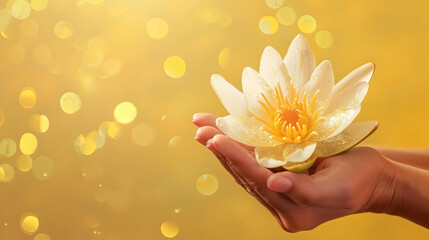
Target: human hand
x=359, y=180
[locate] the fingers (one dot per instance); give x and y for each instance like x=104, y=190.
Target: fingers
x=206, y=133
x=204, y=119
x=243, y=163
x=323, y=189
x=243, y=182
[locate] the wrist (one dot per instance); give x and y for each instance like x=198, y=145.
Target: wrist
x=387, y=195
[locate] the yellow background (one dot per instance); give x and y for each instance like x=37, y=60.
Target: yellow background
x=142, y=186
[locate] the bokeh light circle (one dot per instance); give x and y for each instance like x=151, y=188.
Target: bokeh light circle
x=27, y=98
x=207, y=184
x=39, y=5
x=24, y=163
x=286, y=16
x=2, y=174
x=9, y=172
x=20, y=9
x=70, y=102
x=307, y=24
x=63, y=29
x=5, y=18
x=324, y=39
x=7, y=147
x=157, y=28
x=43, y=168
x=169, y=229
x=39, y=123
x=174, y=66
x=42, y=236
x=125, y=112
x=268, y=25
x=274, y=4
x=29, y=223
x=224, y=57
x=28, y=143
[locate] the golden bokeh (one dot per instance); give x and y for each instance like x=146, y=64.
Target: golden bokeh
x=307, y=24
x=39, y=5
x=224, y=57
x=169, y=229
x=8, y=172
x=28, y=143
x=63, y=29
x=125, y=112
x=29, y=223
x=286, y=16
x=174, y=66
x=207, y=184
x=2, y=174
x=113, y=130
x=274, y=3
x=27, y=98
x=108, y=176
x=43, y=168
x=7, y=147
x=324, y=39
x=20, y=9
x=38, y=123
x=157, y=28
x=5, y=18
x=268, y=25
x=42, y=236
x=70, y=102
x=24, y=163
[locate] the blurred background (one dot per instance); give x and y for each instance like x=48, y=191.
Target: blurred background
x=97, y=97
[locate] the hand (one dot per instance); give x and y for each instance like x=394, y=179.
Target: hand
x=359, y=180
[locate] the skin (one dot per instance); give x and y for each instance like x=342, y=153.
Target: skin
x=363, y=179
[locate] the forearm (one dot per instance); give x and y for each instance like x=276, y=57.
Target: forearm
x=409, y=195
x=414, y=157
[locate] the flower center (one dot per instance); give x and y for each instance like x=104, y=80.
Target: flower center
x=292, y=121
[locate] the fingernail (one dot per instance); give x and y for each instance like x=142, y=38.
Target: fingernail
x=194, y=117
x=208, y=143
x=279, y=184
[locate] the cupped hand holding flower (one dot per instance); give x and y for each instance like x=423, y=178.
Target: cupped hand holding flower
x=359, y=180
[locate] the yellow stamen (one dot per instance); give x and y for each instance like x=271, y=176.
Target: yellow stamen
x=292, y=121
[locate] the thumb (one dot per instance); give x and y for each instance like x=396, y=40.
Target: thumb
x=299, y=187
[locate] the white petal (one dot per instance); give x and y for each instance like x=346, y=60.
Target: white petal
x=231, y=98
x=350, y=137
x=334, y=123
x=322, y=80
x=246, y=130
x=348, y=98
x=273, y=70
x=270, y=157
x=360, y=74
x=299, y=152
x=253, y=87
x=300, y=61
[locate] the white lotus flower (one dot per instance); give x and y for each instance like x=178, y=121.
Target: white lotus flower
x=291, y=111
